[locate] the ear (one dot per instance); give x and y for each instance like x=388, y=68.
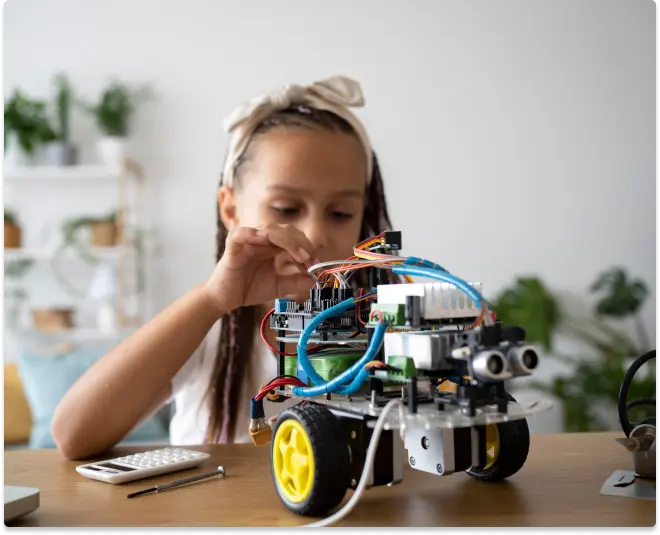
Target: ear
x=227, y=207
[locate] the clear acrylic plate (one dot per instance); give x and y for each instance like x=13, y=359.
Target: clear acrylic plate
x=429, y=417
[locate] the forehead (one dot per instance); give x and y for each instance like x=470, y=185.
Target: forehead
x=315, y=161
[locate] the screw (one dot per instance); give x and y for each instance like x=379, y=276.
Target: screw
x=438, y=467
x=425, y=443
x=353, y=483
x=412, y=461
x=353, y=435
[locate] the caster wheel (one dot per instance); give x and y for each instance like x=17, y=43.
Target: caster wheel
x=507, y=446
x=310, y=460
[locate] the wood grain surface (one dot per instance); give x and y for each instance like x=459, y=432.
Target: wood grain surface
x=558, y=486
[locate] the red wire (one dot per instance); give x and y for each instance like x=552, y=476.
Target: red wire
x=278, y=383
x=379, y=313
x=309, y=351
x=263, y=336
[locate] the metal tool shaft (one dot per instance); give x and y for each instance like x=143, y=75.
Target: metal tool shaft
x=220, y=471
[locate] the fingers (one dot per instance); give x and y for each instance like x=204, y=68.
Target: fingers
x=239, y=236
x=292, y=240
x=289, y=239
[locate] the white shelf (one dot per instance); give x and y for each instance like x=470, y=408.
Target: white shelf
x=91, y=173
x=102, y=253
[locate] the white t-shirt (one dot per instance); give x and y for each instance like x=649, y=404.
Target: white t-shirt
x=190, y=384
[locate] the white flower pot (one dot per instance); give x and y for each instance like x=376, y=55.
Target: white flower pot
x=111, y=150
x=15, y=156
x=60, y=153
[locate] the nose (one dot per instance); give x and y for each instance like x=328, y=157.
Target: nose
x=316, y=233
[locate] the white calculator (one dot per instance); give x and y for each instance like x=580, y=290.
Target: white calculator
x=142, y=465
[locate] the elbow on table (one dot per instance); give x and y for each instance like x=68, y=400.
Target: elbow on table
x=74, y=442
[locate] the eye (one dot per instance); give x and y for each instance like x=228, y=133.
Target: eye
x=341, y=216
x=286, y=211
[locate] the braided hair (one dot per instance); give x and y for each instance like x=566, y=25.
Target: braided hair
x=238, y=326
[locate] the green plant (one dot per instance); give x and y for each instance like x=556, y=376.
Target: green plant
x=26, y=118
x=622, y=298
x=72, y=227
x=63, y=99
x=596, y=372
x=114, y=110
x=71, y=239
x=10, y=217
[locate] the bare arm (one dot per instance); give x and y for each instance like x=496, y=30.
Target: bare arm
x=133, y=380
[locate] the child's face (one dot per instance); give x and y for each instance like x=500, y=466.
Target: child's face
x=312, y=180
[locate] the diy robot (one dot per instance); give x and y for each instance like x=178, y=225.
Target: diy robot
x=360, y=348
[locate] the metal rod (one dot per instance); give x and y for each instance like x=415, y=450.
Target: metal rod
x=220, y=471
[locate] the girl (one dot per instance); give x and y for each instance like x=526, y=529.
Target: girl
x=300, y=185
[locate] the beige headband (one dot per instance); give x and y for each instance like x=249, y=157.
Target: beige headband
x=335, y=94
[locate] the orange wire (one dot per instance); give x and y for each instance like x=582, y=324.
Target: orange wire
x=480, y=319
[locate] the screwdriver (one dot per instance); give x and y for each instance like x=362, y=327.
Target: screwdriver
x=220, y=471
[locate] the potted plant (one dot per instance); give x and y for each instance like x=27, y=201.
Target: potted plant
x=12, y=230
x=52, y=319
x=26, y=129
x=113, y=114
x=103, y=231
x=601, y=350
x=61, y=151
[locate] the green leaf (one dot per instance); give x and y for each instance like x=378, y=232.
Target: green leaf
x=620, y=296
x=530, y=305
x=115, y=108
x=27, y=119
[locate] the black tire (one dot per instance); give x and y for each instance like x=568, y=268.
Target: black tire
x=331, y=459
x=513, y=451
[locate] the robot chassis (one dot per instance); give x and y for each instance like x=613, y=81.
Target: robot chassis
x=319, y=447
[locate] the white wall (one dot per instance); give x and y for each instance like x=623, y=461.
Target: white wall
x=516, y=137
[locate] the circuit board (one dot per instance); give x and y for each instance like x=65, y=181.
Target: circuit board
x=358, y=348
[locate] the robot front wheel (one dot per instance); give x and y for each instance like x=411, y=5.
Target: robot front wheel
x=310, y=460
x=507, y=446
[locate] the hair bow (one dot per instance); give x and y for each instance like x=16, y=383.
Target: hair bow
x=336, y=95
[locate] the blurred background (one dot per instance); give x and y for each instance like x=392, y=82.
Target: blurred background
x=516, y=140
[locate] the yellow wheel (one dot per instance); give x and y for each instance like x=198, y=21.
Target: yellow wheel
x=492, y=445
x=506, y=447
x=293, y=461
x=310, y=460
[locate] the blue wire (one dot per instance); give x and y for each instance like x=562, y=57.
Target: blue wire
x=416, y=261
x=301, y=349
x=442, y=274
x=356, y=373
x=404, y=269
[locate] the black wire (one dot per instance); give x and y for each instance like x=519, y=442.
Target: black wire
x=640, y=402
x=645, y=421
x=623, y=404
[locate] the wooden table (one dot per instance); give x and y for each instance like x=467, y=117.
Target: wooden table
x=558, y=486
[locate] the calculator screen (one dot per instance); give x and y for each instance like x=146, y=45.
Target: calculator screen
x=116, y=467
